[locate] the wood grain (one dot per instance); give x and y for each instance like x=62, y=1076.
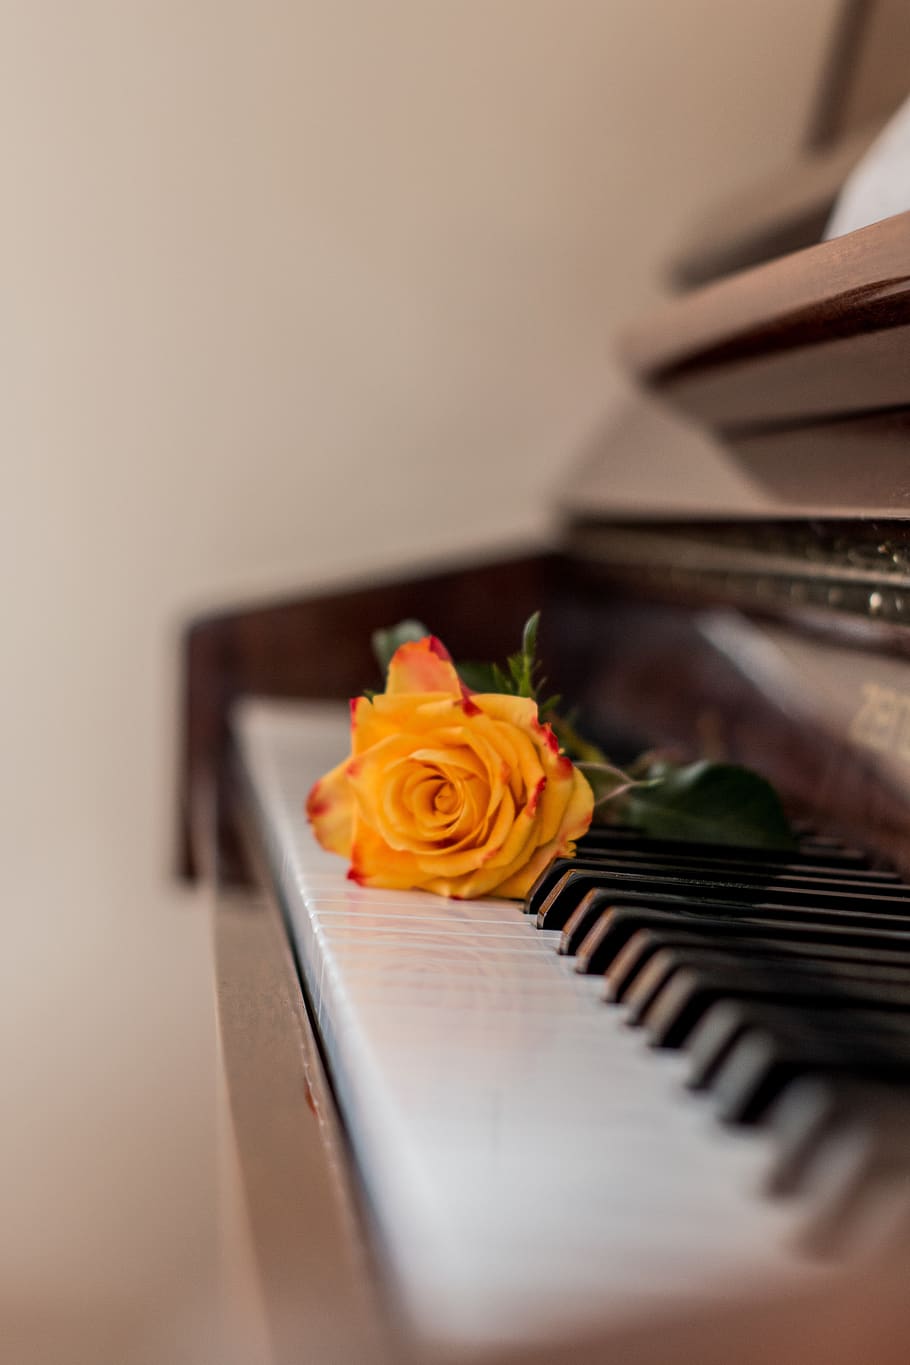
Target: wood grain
x=829, y=376
x=317, y=1285
x=837, y=292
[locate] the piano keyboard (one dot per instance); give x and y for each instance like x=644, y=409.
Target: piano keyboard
x=532, y=1167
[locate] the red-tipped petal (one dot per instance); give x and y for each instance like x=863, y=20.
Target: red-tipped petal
x=330, y=810
x=438, y=648
x=548, y=736
x=537, y=793
x=422, y=666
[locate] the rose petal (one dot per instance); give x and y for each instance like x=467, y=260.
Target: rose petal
x=422, y=666
x=330, y=810
x=373, y=863
x=461, y=799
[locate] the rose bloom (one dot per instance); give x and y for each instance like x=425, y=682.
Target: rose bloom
x=465, y=794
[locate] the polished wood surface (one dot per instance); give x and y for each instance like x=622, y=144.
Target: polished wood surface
x=651, y=462
x=316, y=1277
x=821, y=375
x=806, y=334
x=845, y=466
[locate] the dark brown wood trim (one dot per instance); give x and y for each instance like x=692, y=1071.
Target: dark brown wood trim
x=841, y=288
x=873, y=307
x=317, y=1284
x=825, y=380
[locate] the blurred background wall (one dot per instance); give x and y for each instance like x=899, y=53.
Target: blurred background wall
x=290, y=291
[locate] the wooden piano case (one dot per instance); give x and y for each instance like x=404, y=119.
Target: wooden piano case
x=729, y=571
x=761, y=615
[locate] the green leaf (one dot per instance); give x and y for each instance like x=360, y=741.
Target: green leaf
x=709, y=803
x=523, y=666
x=500, y=679
x=479, y=677
x=520, y=676
x=386, y=641
x=530, y=681
x=529, y=637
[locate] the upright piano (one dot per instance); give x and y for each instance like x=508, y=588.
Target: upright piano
x=661, y=1111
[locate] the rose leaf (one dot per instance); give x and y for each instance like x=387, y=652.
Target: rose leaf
x=706, y=802
x=478, y=677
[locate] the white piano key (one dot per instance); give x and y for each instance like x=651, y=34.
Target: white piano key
x=532, y=1166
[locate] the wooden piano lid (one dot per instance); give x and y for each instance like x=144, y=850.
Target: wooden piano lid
x=780, y=391
x=783, y=391
x=824, y=301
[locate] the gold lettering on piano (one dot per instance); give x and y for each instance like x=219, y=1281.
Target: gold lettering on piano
x=883, y=720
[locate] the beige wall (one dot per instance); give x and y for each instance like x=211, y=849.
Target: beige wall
x=289, y=290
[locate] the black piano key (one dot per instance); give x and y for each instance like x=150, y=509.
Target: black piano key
x=756, y=1069
x=754, y=956
x=672, y=901
x=625, y=967
x=650, y=982
x=851, y=927
x=829, y=846
x=576, y=883
x=799, y=1122
x=617, y=923
x=813, y=1108
x=809, y=850
x=646, y=859
x=771, y=969
x=766, y=1057
x=829, y=843
x=577, y=927
x=543, y=899
x=655, y=853
x=869, y=1179
x=712, y=1041
x=691, y=985
x=722, y=861
x=579, y=924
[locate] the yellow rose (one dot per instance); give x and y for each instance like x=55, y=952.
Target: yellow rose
x=465, y=794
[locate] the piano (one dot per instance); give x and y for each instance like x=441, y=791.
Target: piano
x=666, y=1101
